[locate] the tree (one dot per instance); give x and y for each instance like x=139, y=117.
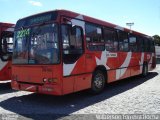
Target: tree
x=157, y=39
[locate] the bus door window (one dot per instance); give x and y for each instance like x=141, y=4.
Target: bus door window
x=72, y=38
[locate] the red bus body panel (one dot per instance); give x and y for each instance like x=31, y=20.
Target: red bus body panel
x=75, y=77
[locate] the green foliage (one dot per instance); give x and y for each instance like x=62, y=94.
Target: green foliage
x=157, y=39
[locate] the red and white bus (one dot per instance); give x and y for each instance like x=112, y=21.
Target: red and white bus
x=60, y=52
x=6, y=47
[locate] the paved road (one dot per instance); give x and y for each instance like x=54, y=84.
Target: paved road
x=136, y=95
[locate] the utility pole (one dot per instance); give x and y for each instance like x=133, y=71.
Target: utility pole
x=130, y=25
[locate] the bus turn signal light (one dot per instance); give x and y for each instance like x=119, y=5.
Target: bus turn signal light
x=52, y=80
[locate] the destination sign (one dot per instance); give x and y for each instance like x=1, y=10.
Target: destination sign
x=36, y=19
x=23, y=33
x=40, y=19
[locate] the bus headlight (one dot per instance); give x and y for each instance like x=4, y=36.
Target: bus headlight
x=44, y=79
x=50, y=80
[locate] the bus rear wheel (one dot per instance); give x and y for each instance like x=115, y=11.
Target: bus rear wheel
x=98, y=82
x=145, y=70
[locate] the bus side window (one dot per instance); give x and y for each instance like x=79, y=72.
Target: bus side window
x=133, y=43
x=140, y=44
x=152, y=46
x=149, y=45
x=110, y=37
x=123, y=41
x=94, y=38
x=146, y=46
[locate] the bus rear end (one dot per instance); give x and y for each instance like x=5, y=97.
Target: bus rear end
x=36, y=55
x=6, y=46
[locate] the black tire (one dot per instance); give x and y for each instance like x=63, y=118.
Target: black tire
x=145, y=70
x=98, y=82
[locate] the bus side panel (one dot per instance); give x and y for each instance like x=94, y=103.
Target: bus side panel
x=111, y=75
x=125, y=59
x=138, y=63
x=90, y=62
x=135, y=67
x=82, y=82
x=113, y=62
x=77, y=79
x=125, y=73
x=68, y=85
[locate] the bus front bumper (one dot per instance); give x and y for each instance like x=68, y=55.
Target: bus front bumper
x=51, y=89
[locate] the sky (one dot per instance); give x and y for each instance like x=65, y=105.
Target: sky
x=144, y=13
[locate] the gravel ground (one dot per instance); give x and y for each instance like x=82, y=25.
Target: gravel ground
x=136, y=95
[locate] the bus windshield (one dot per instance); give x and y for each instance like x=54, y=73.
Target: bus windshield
x=36, y=45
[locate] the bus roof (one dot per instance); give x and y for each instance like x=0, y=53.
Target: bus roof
x=5, y=24
x=90, y=19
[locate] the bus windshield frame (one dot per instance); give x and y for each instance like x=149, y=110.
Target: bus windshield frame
x=37, y=45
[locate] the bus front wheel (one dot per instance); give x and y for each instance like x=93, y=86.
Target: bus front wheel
x=98, y=82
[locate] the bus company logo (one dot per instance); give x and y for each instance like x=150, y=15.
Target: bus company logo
x=111, y=55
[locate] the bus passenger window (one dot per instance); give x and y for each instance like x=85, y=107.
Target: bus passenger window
x=152, y=46
x=146, y=45
x=140, y=46
x=123, y=41
x=95, y=41
x=110, y=37
x=133, y=43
